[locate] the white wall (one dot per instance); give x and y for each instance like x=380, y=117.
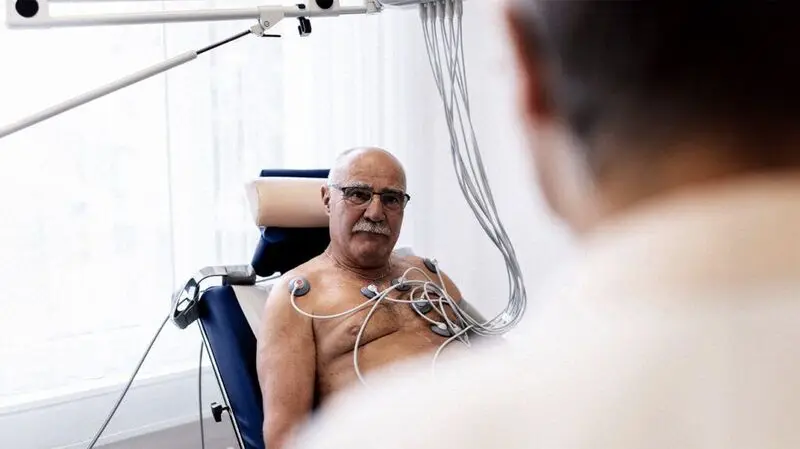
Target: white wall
x=152, y=405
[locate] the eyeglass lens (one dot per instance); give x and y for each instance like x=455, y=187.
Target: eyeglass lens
x=362, y=195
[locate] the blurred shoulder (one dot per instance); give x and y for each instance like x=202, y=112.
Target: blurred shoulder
x=533, y=392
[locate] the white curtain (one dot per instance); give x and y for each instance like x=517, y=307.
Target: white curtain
x=108, y=208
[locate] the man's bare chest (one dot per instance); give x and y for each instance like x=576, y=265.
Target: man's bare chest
x=355, y=319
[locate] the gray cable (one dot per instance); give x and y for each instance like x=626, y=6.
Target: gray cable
x=128, y=386
x=200, y=396
x=444, y=44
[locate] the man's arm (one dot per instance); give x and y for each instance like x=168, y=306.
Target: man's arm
x=471, y=311
x=286, y=365
x=466, y=307
x=455, y=293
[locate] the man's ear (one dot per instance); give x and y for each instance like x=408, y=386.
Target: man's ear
x=326, y=198
x=530, y=65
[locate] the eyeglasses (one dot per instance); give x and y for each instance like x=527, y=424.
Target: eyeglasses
x=362, y=196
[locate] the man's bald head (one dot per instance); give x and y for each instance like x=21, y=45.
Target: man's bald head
x=370, y=157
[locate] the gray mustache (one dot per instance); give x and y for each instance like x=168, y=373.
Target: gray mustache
x=374, y=228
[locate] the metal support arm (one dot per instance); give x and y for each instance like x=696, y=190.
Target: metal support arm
x=36, y=14
x=267, y=16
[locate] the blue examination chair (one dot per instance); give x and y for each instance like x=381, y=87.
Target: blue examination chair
x=225, y=315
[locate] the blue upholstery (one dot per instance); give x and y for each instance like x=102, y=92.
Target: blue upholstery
x=233, y=347
x=231, y=342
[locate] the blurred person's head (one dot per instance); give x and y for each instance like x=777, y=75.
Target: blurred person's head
x=626, y=100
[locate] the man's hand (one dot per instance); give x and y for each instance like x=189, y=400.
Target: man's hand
x=286, y=366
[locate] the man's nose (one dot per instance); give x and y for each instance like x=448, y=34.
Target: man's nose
x=375, y=211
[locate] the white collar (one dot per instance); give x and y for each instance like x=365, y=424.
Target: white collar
x=696, y=252
x=731, y=236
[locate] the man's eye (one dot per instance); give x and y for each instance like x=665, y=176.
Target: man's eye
x=359, y=194
x=391, y=199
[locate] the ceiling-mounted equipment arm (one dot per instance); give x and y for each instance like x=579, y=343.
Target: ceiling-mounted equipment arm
x=267, y=16
x=36, y=14
x=97, y=93
x=121, y=83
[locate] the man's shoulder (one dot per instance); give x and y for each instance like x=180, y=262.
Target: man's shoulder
x=410, y=260
x=304, y=275
x=309, y=270
x=407, y=259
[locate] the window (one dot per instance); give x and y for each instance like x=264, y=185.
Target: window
x=110, y=207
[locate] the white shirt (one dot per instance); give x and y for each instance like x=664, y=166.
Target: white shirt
x=680, y=329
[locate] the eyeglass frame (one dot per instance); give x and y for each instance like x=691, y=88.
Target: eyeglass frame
x=366, y=204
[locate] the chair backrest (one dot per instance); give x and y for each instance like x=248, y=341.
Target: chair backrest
x=281, y=249
x=228, y=336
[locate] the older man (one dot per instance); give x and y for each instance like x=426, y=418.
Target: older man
x=303, y=361
x=667, y=135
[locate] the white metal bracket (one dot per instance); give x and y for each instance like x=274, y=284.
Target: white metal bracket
x=268, y=17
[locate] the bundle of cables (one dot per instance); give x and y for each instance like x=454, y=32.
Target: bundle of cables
x=442, y=25
x=424, y=296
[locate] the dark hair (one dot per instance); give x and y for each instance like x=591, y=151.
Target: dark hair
x=644, y=70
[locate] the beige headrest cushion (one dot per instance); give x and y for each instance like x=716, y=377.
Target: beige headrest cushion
x=287, y=202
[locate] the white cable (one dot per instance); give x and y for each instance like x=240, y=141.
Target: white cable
x=325, y=317
x=447, y=342
x=416, y=309
x=426, y=286
x=448, y=105
x=127, y=386
x=482, y=178
x=361, y=332
x=200, y=396
x=293, y=300
x=453, y=327
x=445, y=48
